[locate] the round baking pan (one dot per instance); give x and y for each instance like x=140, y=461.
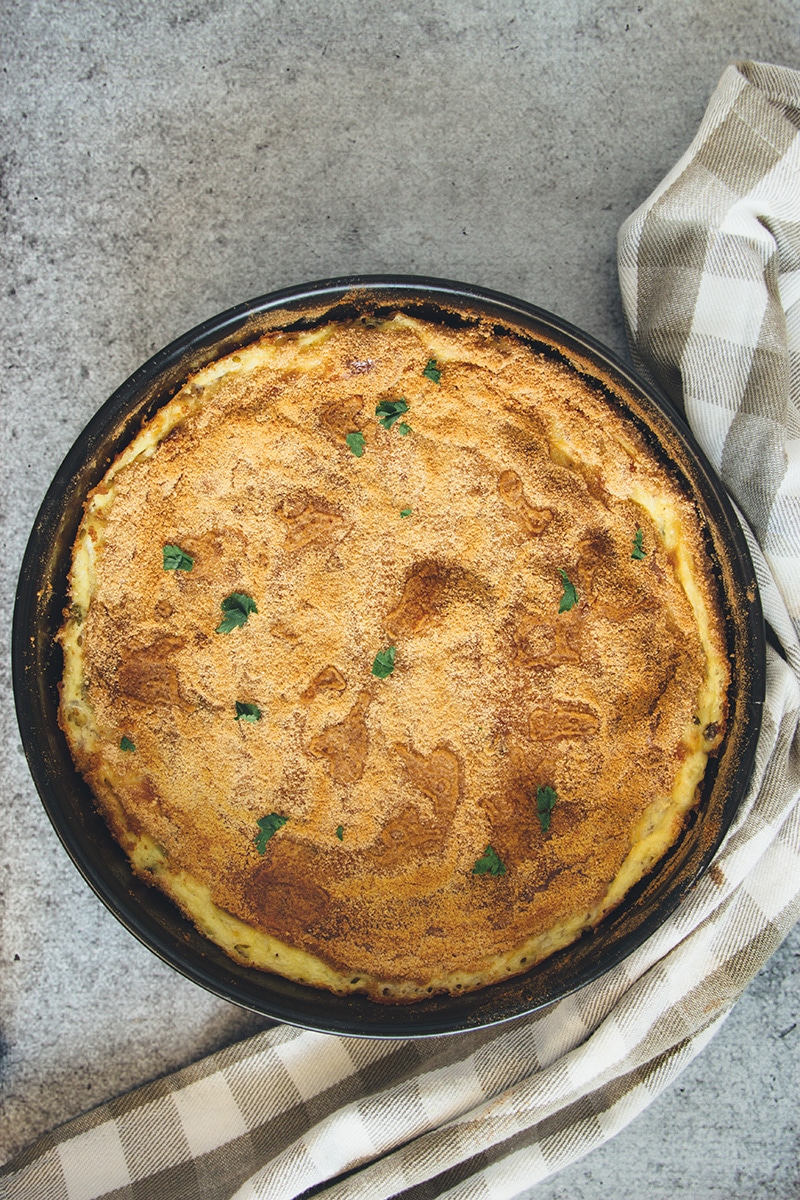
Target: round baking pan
x=37, y=664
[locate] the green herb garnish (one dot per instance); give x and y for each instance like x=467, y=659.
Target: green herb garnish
x=237, y=608
x=247, y=712
x=638, y=549
x=405, y=512
x=268, y=826
x=384, y=663
x=355, y=442
x=389, y=411
x=489, y=864
x=570, y=596
x=340, y=832
x=404, y=429
x=176, y=559
x=125, y=743
x=433, y=372
x=545, y=803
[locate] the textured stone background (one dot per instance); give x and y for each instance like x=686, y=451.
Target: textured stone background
x=161, y=163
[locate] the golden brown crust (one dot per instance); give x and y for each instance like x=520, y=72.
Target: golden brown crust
x=518, y=473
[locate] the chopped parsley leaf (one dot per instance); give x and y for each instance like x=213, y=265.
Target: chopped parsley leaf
x=125, y=743
x=340, y=832
x=247, y=712
x=638, y=549
x=389, y=411
x=545, y=803
x=404, y=429
x=237, y=608
x=489, y=864
x=268, y=826
x=570, y=597
x=355, y=443
x=176, y=559
x=384, y=663
x=405, y=512
x=433, y=372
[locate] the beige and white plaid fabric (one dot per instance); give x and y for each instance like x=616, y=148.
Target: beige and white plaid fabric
x=710, y=271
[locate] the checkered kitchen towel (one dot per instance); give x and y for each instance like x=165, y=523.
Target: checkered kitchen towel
x=710, y=270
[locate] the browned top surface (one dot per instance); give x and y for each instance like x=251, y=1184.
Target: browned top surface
x=494, y=691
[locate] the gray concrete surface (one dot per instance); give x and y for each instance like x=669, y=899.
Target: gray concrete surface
x=161, y=163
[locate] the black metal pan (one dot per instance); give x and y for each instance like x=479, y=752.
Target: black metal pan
x=37, y=665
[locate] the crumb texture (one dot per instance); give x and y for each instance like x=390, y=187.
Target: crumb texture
x=523, y=481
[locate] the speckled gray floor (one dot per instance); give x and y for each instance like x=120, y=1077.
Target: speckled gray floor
x=161, y=163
